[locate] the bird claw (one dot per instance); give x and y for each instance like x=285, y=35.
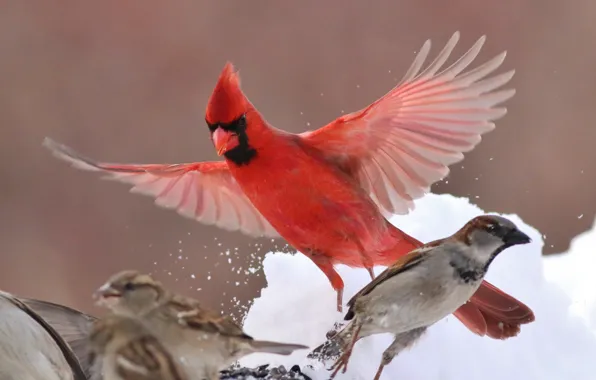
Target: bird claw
x=340, y=365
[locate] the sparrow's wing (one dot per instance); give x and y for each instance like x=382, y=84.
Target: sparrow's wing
x=69, y=356
x=402, y=264
x=397, y=147
x=144, y=358
x=191, y=314
x=72, y=325
x=204, y=191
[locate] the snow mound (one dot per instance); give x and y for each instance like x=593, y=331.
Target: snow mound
x=298, y=306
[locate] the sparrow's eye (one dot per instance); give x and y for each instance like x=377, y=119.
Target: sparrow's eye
x=491, y=228
x=129, y=286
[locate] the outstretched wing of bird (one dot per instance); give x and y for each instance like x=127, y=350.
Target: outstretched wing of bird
x=204, y=191
x=404, y=142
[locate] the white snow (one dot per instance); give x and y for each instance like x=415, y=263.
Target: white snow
x=298, y=306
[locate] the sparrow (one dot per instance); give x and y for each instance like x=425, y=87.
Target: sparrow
x=423, y=287
x=30, y=349
x=203, y=341
x=329, y=192
x=127, y=350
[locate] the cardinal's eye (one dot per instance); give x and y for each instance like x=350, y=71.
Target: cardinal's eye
x=241, y=123
x=236, y=126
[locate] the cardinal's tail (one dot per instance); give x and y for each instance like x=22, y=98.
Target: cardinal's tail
x=493, y=313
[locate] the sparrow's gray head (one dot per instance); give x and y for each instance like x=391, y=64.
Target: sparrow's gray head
x=130, y=292
x=491, y=234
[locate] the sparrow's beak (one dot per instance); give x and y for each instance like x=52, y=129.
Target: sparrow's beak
x=106, y=292
x=515, y=237
x=220, y=140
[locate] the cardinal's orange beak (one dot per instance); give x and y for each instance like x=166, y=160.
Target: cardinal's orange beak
x=220, y=140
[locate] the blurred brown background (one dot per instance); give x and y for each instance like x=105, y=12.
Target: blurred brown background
x=127, y=81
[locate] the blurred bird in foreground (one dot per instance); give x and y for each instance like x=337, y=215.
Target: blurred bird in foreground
x=203, y=341
x=31, y=349
x=422, y=288
x=128, y=351
x=328, y=192
x=74, y=327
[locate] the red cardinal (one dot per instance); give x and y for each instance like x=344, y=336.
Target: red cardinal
x=328, y=192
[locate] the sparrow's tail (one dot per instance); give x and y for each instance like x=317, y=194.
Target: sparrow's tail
x=275, y=347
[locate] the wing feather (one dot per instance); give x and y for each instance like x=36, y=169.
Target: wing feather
x=69, y=356
x=404, y=142
x=71, y=325
x=204, y=191
x=404, y=263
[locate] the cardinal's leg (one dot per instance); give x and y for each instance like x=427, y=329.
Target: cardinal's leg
x=324, y=263
x=401, y=342
x=367, y=262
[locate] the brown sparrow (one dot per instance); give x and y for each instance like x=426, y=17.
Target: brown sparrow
x=128, y=351
x=422, y=288
x=30, y=349
x=203, y=341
